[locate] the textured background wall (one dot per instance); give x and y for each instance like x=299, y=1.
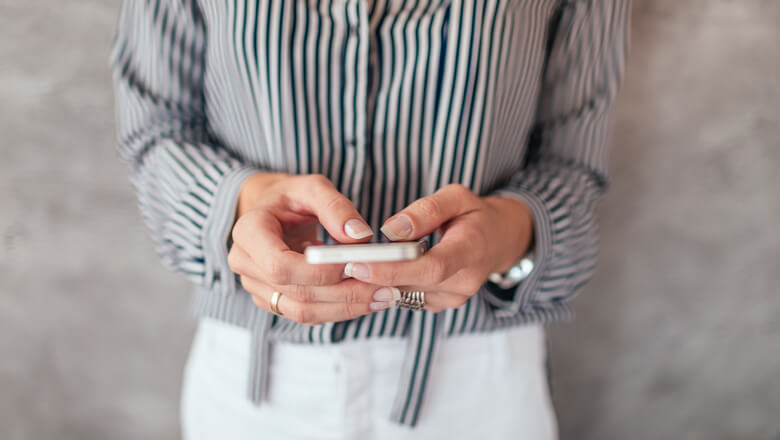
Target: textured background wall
x=678, y=336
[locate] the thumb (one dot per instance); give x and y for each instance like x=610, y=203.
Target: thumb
x=427, y=214
x=335, y=212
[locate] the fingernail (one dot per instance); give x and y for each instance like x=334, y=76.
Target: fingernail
x=357, y=270
x=306, y=244
x=376, y=306
x=398, y=228
x=387, y=294
x=356, y=228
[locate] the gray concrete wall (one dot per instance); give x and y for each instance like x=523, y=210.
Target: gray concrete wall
x=678, y=336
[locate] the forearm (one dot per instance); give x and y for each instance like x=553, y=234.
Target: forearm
x=564, y=172
x=187, y=182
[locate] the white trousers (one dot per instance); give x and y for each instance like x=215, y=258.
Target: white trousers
x=482, y=386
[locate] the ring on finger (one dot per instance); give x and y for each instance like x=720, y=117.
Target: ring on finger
x=412, y=300
x=275, y=303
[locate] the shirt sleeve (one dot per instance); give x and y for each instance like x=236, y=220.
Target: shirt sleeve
x=187, y=183
x=565, y=172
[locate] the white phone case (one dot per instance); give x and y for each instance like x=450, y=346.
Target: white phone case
x=365, y=252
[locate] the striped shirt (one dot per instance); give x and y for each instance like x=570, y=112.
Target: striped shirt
x=391, y=100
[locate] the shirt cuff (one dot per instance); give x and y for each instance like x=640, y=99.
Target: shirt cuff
x=217, y=229
x=541, y=253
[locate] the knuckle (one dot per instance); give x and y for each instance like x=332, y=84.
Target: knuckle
x=250, y=285
x=233, y=260
x=323, y=277
x=352, y=295
x=316, y=278
x=334, y=276
x=302, y=293
x=458, y=188
x=352, y=310
x=277, y=272
x=335, y=201
x=430, y=207
x=236, y=232
x=298, y=313
x=386, y=277
x=438, y=270
x=259, y=302
x=251, y=219
x=319, y=180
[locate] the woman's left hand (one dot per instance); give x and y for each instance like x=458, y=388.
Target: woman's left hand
x=479, y=236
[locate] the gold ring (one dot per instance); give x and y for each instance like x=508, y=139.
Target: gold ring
x=275, y=303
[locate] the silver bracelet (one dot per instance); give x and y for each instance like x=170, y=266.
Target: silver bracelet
x=515, y=274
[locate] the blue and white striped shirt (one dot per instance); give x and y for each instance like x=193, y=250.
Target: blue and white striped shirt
x=391, y=100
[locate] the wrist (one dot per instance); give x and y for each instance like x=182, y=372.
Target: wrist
x=514, y=231
x=253, y=190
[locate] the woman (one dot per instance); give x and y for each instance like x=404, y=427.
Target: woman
x=480, y=124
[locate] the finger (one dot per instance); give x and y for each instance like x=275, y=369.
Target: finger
x=349, y=291
x=317, y=195
x=435, y=266
x=425, y=215
x=241, y=263
x=436, y=301
x=270, y=259
x=308, y=313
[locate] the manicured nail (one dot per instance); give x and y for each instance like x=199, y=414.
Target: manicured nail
x=356, y=228
x=398, y=228
x=376, y=306
x=306, y=244
x=387, y=294
x=357, y=270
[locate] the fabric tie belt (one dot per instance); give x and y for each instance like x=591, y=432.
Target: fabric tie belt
x=424, y=330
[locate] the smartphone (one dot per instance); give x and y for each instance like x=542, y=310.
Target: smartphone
x=365, y=252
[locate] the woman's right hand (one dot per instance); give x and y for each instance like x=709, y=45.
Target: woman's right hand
x=277, y=215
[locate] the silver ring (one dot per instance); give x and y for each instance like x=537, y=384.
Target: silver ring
x=414, y=300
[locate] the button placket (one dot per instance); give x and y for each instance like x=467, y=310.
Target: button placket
x=359, y=27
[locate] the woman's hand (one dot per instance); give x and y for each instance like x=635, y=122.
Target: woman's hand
x=277, y=215
x=479, y=236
